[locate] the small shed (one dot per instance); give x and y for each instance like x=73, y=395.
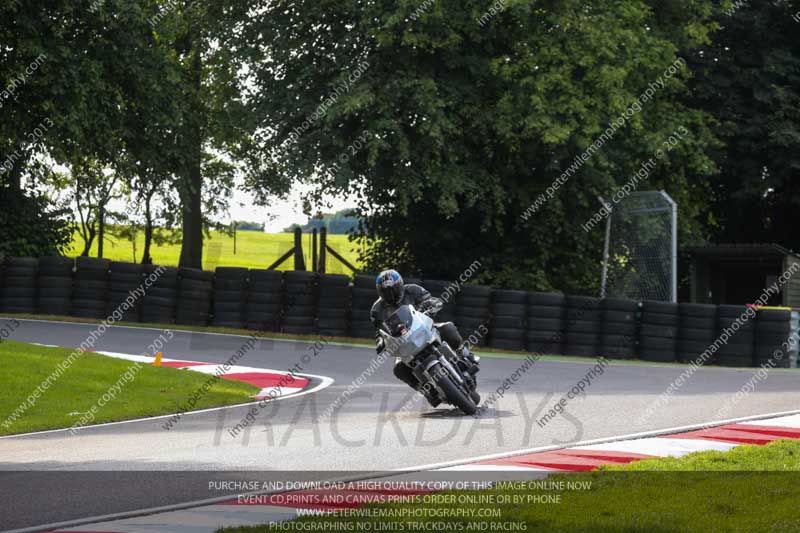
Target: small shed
x=739, y=273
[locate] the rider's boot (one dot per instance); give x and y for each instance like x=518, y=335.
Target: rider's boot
x=473, y=359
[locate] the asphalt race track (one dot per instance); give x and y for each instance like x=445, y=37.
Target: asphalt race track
x=370, y=432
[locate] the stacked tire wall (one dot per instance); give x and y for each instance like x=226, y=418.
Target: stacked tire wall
x=18, y=293
x=230, y=297
x=161, y=297
x=333, y=304
x=473, y=311
x=544, y=323
x=658, y=338
x=362, y=297
x=91, y=287
x=300, y=304
x=739, y=349
x=54, y=285
x=125, y=278
x=582, y=326
x=307, y=303
x=619, y=332
x=773, y=331
x=507, y=331
x=697, y=329
x=264, y=303
x=195, y=288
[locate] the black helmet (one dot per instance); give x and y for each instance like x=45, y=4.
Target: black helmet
x=390, y=286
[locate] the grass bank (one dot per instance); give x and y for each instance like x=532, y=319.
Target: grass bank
x=254, y=249
x=80, y=389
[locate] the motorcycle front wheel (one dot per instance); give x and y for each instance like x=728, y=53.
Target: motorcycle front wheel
x=455, y=395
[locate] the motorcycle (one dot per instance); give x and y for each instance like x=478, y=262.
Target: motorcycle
x=414, y=340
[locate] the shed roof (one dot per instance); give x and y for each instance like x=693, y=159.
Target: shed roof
x=741, y=250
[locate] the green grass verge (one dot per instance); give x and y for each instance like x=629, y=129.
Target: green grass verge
x=750, y=488
x=253, y=250
x=152, y=390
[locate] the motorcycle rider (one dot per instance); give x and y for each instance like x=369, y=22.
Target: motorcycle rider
x=392, y=293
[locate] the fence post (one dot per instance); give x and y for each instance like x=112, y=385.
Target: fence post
x=314, y=250
x=323, y=244
x=299, y=260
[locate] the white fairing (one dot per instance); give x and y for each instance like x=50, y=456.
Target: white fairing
x=419, y=335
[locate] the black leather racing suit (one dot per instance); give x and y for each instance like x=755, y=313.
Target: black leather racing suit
x=418, y=297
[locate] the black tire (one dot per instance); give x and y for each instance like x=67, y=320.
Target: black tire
x=546, y=324
x=655, y=331
x=582, y=326
x=659, y=319
x=333, y=280
x=693, y=322
x=621, y=305
x=584, y=302
x=22, y=262
x=619, y=316
x=619, y=328
x=228, y=307
x=475, y=291
x=546, y=299
x=507, y=344
x=479, y=313
x=92, y=263
x=618, y=352
x=230, y=296
x=453, y=394
x=194, y=296
x=161, y=292
x=774, y=315
x=731, y=311
x=509, y=322
x=299, y=277
x=126, y=268
x=271, y=309
x=504, y=309
x=20, y=282
x=657, y=343
x=472, y=301
x=698, y=310
x=231, y=273
x=509, y=297
x=697, y=334
x=657, y=356
x=365, y=281
x=581, y=350
x=195, y=274
x=19, y=292
x=667, y=308
x=229, y=284
x=265, y=298
x=56, y=266
x=339, y=295
x=588, y=339
x=332, y=323
x=543, y=311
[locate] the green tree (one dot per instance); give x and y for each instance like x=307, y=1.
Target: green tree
x=450, y=125
x=749, y=79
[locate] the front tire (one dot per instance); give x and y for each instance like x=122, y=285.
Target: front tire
x=455, y=395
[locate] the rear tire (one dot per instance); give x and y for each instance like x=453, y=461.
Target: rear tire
x=455, y=396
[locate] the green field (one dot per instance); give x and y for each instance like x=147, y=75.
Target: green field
x=64, y=401
x=253, y=250
x=749, y=488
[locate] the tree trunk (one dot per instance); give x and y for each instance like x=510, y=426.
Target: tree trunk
x=88, y=239
x=192, y=224
x=101, y=229
x=148, y=231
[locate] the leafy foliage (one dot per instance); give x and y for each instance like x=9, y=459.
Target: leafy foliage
x=30, y=227
x=468, y=123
